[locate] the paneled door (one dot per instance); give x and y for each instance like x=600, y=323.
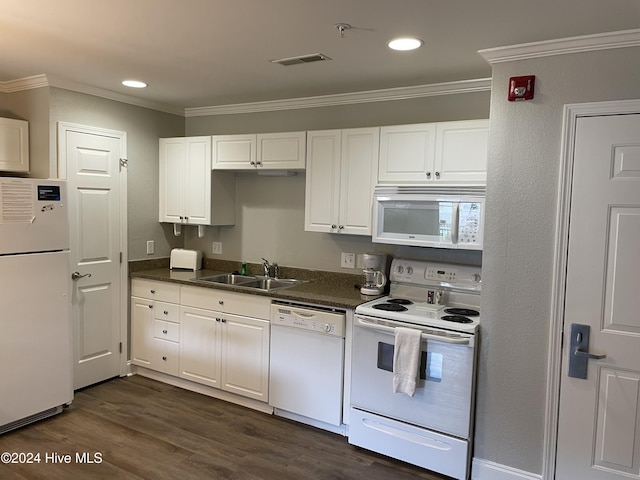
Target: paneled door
x=599, y=416
x=91, y=160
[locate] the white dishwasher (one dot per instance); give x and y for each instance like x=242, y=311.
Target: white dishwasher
x=307, y=364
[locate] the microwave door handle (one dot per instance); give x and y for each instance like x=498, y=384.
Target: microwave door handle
x=455, y=223
x=425, y=336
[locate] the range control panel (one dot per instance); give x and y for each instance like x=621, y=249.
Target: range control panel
x=422, y=273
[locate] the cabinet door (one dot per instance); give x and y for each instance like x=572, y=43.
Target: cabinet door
x=197, y=190
x=281, y=151
x=172, y=170
x=14, y=145
x=245, y=356
x=461, y=151
x=322, y=194
x=142, y=324
x=407, y=153
x=200, y=346
x=358, y=178
x=234, y=152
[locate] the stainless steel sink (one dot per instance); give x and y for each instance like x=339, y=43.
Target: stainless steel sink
x=227, y=279
x=266, y=284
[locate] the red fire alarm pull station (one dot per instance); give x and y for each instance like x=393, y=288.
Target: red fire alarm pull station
x=521, y=88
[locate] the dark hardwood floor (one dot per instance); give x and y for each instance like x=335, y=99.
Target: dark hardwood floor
x=137, y=428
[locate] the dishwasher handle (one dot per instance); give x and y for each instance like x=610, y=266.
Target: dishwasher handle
x=362, y=322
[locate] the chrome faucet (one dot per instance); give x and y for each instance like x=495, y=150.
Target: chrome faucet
x=265, y=266
x=275, y=270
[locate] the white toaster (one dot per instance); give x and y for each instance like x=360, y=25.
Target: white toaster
x=186, y=259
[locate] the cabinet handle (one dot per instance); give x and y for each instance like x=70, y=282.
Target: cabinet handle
x=164, y=358
x=221, y=302
x=166, y=312
x=437, y=174
x=150, y=306
x=217, y=320
x=223, y=320
x=341, y=227
x=152, y=292
x=258, y=163
x=334, y=226
x=428, y=174
x=164, y=331
x=252, y=162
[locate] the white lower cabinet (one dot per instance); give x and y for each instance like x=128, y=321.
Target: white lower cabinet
x=210, y=337
x=155, y=326
x=223, y=344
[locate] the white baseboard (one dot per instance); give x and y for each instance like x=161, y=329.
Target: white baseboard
x=486, y=470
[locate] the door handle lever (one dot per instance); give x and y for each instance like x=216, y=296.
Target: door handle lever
x=579, y=354
x=594, y=356
x=78, y=276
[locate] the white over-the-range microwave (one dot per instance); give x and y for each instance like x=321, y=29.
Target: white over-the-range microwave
x=429, y=216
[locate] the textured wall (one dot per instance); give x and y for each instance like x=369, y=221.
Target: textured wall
x=522, y=188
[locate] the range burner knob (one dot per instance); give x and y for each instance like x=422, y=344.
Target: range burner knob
x=409, y=270
x=400, y=269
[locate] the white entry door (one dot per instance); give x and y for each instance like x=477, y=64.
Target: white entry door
x=90, y=160
x=599, y=417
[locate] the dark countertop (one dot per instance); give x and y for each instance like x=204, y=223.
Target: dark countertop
x=333, y=290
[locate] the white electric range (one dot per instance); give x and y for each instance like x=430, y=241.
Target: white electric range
x=433, y=427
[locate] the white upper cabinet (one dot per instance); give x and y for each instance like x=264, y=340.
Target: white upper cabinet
x=269, y=151
x=446, y=152
x=407, y=152
x=189, y=192
x=234, y=152
x=342, y=168
x=14, y=145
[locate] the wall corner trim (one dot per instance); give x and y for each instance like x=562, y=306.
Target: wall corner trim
x=562, y=46
x=487, y=470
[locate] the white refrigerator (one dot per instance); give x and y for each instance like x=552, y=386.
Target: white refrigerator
x=36, y=367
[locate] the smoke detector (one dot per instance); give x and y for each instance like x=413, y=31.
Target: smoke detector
x=314, y=57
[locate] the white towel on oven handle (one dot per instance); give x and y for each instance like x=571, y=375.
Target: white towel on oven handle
x=406, y=360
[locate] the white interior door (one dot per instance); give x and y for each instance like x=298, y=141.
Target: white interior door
x=599, y=417
x=90, y=160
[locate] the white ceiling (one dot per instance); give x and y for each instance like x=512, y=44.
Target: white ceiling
x=198, y=53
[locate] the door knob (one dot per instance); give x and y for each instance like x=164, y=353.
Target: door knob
x=78, y=276
x=579, y=351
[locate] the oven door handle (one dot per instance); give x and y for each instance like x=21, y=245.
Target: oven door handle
x=426, y=336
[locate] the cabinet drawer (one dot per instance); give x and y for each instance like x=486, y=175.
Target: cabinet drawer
x=166, y=330
x=166, y=357
x=169, y=312
x=229, y=302
x=163, y=291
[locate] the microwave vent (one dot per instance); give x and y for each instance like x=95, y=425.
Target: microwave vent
x=476, y=190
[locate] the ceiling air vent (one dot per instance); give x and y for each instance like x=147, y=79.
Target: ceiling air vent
x=314, y=57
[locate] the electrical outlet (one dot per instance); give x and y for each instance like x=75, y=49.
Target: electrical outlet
x=151, y=247
x=359, y=262
x=348, y=260
x=216, y=248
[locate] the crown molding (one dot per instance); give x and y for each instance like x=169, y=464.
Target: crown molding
x=39, y=81
x=399, y=93
x=563, y=46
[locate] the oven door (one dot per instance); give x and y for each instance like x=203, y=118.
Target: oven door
x=443, y=400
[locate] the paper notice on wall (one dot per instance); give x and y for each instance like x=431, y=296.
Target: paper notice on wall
x=16, y=201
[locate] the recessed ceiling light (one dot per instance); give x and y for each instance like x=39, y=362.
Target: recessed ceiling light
x=405, y=43
x=133, y=83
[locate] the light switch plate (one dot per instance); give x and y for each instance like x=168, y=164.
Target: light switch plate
x=216, y=248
